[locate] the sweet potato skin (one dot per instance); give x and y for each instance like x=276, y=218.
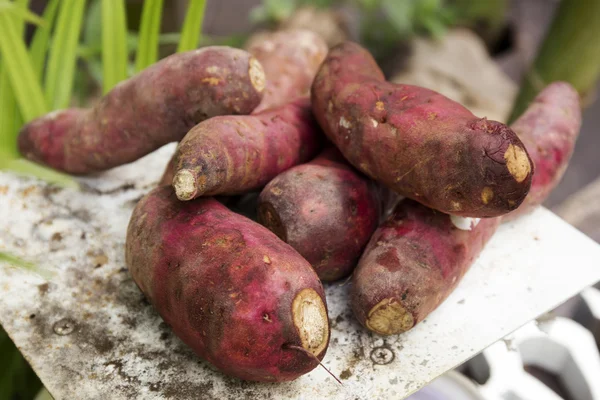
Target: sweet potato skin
x=416, y=141
x=549, y=129
x=412, y=263
x=325, y=210
x=155, y=107
x=225, y=284
x=290, y=59
x=235, y=154
x=417, y=257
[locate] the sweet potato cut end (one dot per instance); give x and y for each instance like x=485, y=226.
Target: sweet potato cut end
x=310, y=319
x=517, y=162
x=184, y=184
x=257, y=75
x=389, y=317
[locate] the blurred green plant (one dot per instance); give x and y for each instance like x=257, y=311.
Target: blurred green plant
x=570, y=52
x=383, y=23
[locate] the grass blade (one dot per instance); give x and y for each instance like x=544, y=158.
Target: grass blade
x=22, y=166
x=8, y=112
x=63, y=57
x=18, y=262
x=41, y=38
x=20, y=9
x=10, y=116
x=114, y=43
x=16, y=60
x=147, y=52
x=192, y=26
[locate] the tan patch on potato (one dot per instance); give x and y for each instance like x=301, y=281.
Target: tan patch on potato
x=389, y=317
x=487, y=194
x=379, y=106
x=517, y=162
x=266, y=259
x=431, y=116
x=212, y=81
x=345, y=123
x=213, y=69
x=257, y=74
x=456, y=206
x=276, y=191
x=310, y=318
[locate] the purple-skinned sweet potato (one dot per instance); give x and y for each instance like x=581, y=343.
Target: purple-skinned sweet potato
x=157, y=106
x=324, y=209
x=229, y=288
x=235, y=154
x=418, y=255
x=290, y=59
x=417, y=142
x=549, y=129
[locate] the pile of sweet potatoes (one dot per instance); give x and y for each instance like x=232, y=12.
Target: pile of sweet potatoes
x=333, y=148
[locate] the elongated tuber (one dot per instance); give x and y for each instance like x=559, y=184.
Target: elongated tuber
x=155, y=107
x=418, y=142
x=235, y=154
x=229, y=288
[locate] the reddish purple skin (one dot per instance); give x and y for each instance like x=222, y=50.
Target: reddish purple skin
x=157, y=106
x=325, y=210
x=291, y=59
x=204, y=269
x=415, y=141
x=236, y=154
x=417, y=257
x=549, y=128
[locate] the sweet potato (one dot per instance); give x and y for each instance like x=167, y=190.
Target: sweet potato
x=325, y=210
x=290, y=59
x=549, y=129
x=418, y=142
x=155, y=107
x=417, y=257
x=229, y=288
x=235, y=154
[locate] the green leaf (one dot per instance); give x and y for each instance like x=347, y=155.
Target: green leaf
x=92, y=27
x=114, y=44
x=147, y=50
x=8, y=112
x=41, y=39
x=22, y=166
x=60, y=72
x=21, y=11
x=17, y=61
x=192, y=26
